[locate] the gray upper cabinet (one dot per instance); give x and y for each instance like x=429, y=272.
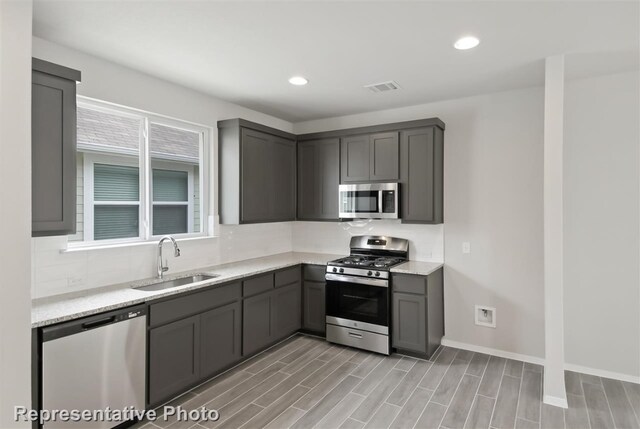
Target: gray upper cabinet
x=370, y=158
x=422, y=159
x=257, y=173
x=355, y=163
x=383, y=157
x=318, y=179
x=53, y=149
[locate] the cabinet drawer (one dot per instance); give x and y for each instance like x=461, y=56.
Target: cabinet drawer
x=288, y=276
x=178, y=308
x=409, y=284
x=257, y=285
x=314, y=272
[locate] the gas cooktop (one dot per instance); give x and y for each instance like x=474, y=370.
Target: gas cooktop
x=367, y=261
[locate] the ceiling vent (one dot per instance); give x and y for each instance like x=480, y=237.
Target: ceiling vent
x=383, y=86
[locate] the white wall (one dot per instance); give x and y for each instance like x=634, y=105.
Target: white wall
x=15, y=208
x=493, y=199
x=55, y=273
x=602, y=231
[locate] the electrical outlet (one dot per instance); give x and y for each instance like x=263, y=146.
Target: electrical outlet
x=74, y=281
x=485, y=316
x=466, y=247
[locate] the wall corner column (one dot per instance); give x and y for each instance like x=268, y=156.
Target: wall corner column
x=554, y=387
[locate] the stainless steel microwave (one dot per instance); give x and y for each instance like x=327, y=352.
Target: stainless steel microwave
x=369, y=201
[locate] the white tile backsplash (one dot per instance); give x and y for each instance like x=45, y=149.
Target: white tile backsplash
x=426, y=242
x=55, y=272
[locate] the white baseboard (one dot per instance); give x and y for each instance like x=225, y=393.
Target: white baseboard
x=555, y=401
x=602, y=373
x=540, y=361
x=493, y=352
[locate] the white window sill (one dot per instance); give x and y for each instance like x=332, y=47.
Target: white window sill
x=72, y=248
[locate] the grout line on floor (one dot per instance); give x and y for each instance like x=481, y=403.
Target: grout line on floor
x=477, y=389
x=606, y=397
x=519, y=394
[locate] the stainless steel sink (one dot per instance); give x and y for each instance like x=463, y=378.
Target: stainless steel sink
x=167, y=284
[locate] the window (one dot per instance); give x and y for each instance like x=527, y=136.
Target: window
x=139, y=175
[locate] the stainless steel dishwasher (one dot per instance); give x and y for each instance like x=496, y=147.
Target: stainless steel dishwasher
x=94, y=363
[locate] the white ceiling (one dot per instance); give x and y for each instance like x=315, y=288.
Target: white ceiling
x=244, y=52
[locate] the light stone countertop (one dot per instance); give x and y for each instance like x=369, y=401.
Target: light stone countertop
x=417, y=267
x=61, y=308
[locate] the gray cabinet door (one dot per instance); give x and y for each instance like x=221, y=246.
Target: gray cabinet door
x=421, y=160
x=257, y=323
x=435, y=310
x=383, y=157
x=354, y=162
x=287, y=313
x=220, y=338
x=174, y=358
x=409, y=322
x=314, y=306
x=281, y=179
x=318, y=179
x=53, y=155
x=268, y=177
x=256, y=182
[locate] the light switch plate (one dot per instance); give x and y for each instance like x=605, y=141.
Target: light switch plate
x=466, y=247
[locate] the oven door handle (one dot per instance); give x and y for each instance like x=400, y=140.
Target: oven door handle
x=359, y=280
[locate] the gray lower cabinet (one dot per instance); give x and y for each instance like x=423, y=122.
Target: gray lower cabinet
x=53, y=149
x=417, y=312
x=313, y=298
x=287, y=314
x=220, y=338
x=257, y=322
x=257, y=172
x=191, y=337
x=318, y=179
x=314, y=306
x=174, y=358
x=272, y=314
x=409, y=321
x=421, y=161
x=370, y=158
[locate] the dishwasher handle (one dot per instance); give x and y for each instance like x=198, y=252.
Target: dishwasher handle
x=64, y=329
x=99, y=322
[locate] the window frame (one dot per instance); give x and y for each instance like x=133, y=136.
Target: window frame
x=145, y=168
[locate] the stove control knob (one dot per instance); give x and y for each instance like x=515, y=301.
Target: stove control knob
x=377, y=273
x=342, y=270
x=369, y=273
x=335, y=270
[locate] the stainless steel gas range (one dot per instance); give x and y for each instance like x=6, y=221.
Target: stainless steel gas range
x=358, y=293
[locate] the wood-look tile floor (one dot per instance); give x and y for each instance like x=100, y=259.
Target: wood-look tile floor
x=306, y=382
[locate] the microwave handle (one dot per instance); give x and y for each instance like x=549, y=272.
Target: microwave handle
x=380, y=202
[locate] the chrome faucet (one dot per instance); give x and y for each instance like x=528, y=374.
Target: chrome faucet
x=176, y=252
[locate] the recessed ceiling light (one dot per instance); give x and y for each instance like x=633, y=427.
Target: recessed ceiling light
x=467, y=42
x=298, y=80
